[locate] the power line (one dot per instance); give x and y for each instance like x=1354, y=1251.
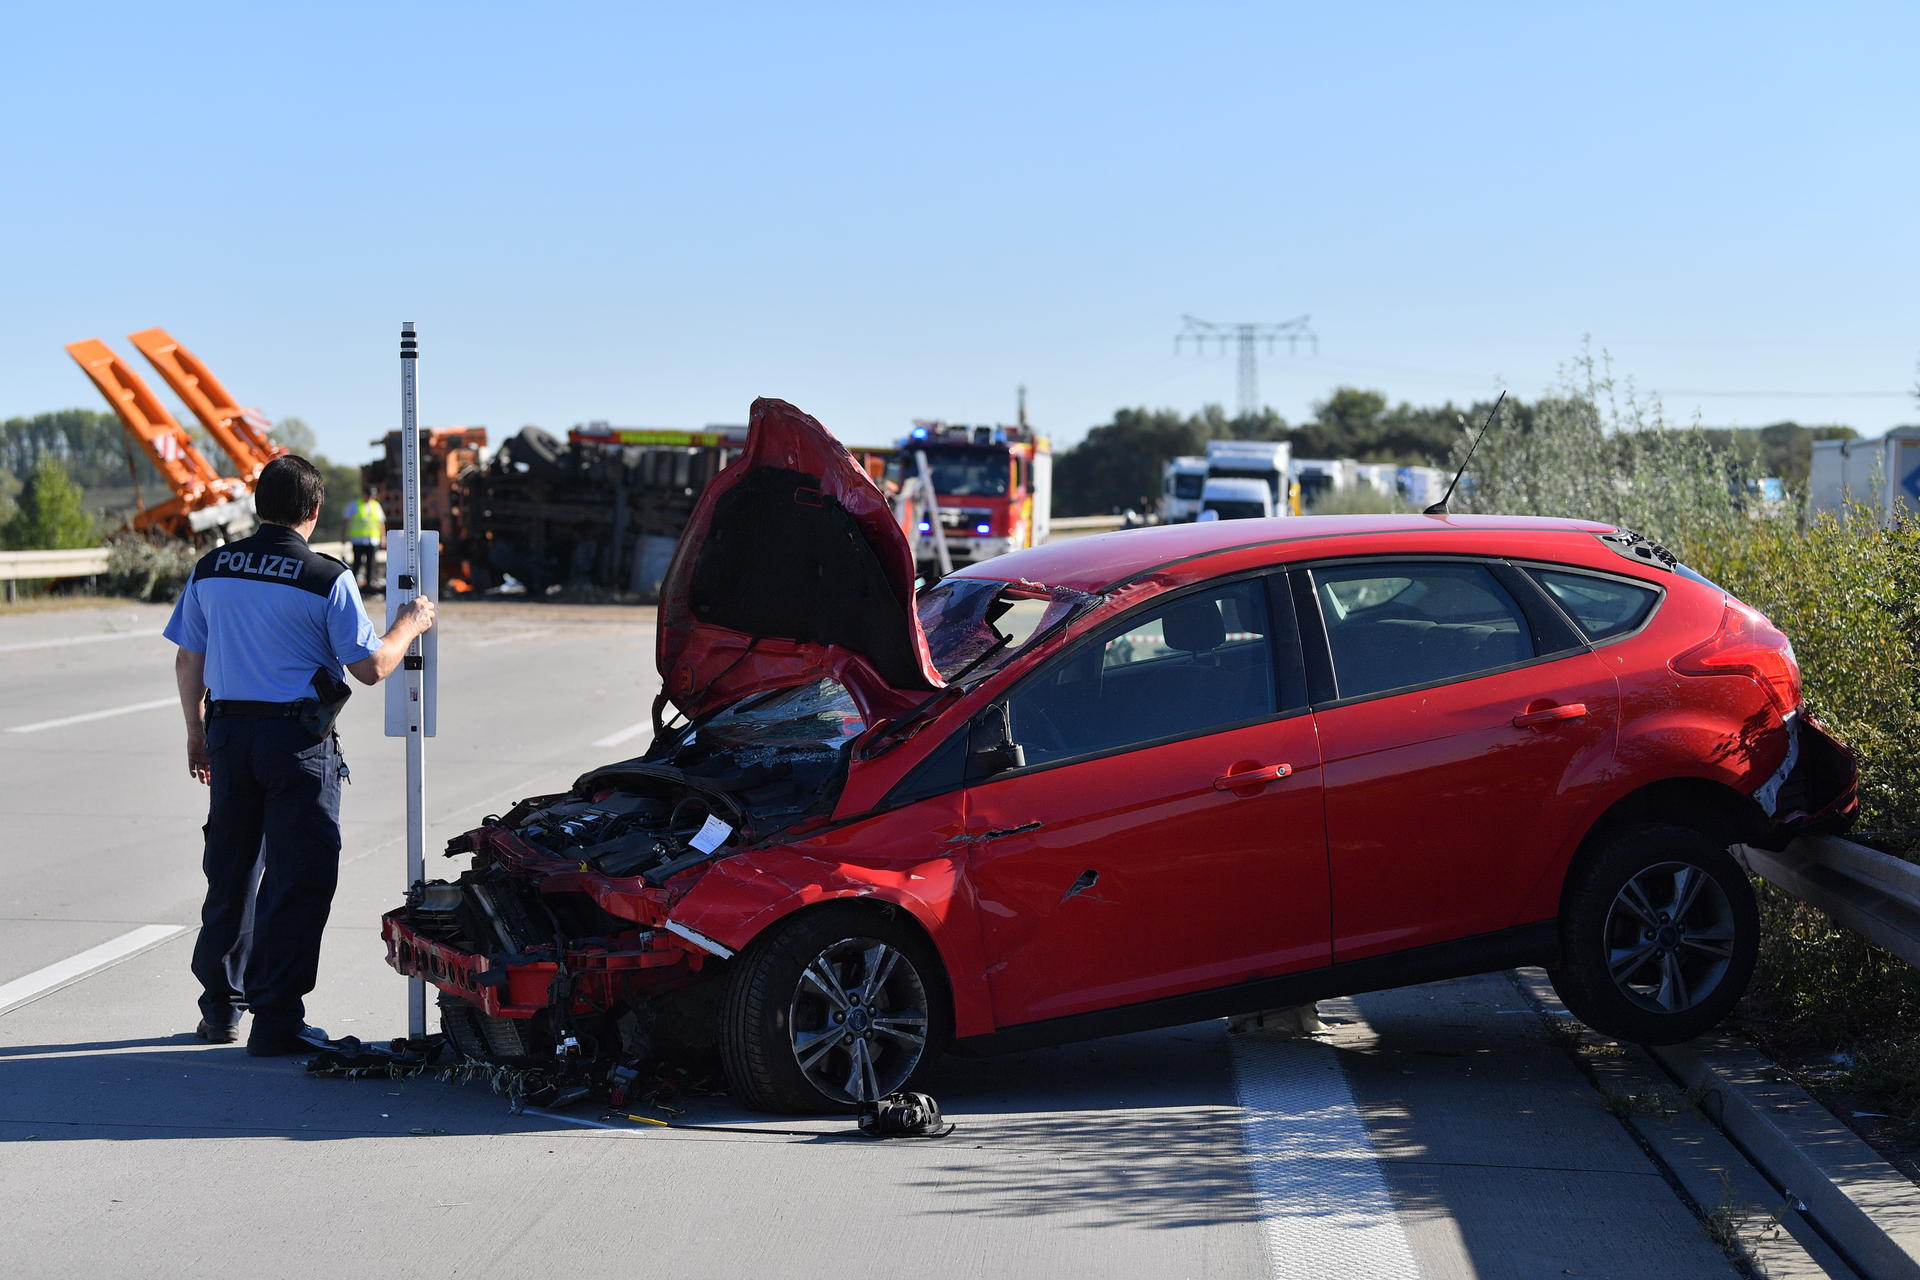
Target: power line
x=1246, y=337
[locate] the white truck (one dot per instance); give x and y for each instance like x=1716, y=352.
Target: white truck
x=1881, y=475
x=1268, y=461
x=1231, y=498
x=1181, y=480
x=1318, y=477
x=1421, y=487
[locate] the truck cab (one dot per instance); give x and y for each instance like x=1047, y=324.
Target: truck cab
x=1181, y=480
x=1229, y=498
x=992, y=487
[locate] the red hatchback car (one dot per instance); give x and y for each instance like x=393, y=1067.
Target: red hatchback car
x=1126, y=781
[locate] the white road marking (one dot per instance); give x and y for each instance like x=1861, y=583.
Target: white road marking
x=1323, y=1202
x=40, y=981
x=631, y=731
x=70, y=641
x=509, y=638
x=155, y=705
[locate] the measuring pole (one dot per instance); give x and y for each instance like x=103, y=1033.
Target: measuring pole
x=410, y=582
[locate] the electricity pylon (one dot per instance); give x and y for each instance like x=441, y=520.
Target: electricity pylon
x=1200, y=332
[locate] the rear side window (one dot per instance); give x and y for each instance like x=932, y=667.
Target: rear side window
x=1601, y=607
x=1392, y=626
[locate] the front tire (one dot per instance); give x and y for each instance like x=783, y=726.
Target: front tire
x=1658, y=935
x=829, y=1009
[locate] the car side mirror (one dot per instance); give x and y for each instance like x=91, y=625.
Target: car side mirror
x=990, y=746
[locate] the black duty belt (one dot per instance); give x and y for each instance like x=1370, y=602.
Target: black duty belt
x=257, y=710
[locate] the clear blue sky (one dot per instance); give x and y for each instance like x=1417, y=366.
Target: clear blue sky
x=652, y=214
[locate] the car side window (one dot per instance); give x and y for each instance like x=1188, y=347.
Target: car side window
x=1201, y=661
x=1392, y=626
x=1601, y=607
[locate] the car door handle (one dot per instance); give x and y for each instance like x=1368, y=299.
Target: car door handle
x=1547, y=715
x=1252, y=777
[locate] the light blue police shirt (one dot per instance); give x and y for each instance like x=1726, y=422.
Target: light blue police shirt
x=268, y=612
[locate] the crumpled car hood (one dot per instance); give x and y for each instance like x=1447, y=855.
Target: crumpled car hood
x=792, y=567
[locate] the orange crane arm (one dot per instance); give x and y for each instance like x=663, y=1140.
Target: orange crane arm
x=166, y=443
x=242, y=433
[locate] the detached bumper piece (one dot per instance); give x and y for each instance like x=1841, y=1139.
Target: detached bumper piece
x=1816, y=790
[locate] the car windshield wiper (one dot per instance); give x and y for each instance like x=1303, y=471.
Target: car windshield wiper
x=1000, y=643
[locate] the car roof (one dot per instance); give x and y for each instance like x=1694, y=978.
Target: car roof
x=1100, y=561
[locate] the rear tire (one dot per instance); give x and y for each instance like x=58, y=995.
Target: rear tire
x=1658, y=935
x=831, y=1008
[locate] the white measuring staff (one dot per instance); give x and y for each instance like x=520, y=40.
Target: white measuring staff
x=413, y=568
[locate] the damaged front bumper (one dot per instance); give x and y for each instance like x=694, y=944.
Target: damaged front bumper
x=525, y=934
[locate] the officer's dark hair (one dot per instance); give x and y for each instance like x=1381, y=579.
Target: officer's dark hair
x=289, y=490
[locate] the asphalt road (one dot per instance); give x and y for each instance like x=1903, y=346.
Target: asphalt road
x=1436, y=1131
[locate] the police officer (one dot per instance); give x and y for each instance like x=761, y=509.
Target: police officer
x=267, y=627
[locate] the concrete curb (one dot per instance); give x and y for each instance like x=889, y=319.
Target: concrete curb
x=1863, y=1205
x=1740, y=1208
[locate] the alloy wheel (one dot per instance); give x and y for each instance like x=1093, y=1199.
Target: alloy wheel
x=858, y=1021
x=1669, y=937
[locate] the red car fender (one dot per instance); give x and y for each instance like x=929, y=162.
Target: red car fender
x=1543, y=902
x=741, y=898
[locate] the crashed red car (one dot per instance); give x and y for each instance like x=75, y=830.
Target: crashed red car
x=1126, y=781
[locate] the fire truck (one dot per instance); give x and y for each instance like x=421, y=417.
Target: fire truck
x=992, y=489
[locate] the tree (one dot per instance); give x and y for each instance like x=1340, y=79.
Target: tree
x=50, y=515
x=1119, y=462
x=343, y=481
x=297, y=436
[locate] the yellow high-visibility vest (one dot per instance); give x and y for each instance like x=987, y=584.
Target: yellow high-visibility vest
x=365, y=519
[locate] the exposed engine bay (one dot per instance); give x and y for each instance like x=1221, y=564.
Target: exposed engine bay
x=553, y=951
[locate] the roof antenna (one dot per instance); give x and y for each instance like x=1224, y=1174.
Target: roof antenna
x=1440, y=508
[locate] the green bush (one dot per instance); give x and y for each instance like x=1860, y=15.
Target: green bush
x=148, y=567
x=1846, y=591
x=1848, y=594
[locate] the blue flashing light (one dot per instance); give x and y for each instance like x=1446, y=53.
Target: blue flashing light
x=919, y=433
x=926, y=526
x=983, y=528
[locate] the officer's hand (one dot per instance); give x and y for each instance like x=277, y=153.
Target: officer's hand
x=417, y=613
x=198, y=767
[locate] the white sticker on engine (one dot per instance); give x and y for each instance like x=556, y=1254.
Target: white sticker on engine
x=712, y=834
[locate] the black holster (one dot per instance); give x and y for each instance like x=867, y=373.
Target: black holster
x=317, y=714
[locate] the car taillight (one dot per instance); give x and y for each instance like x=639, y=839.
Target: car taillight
x=1747, y=645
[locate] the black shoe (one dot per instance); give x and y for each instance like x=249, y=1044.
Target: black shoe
x=217, y=1033
x=266, y=1042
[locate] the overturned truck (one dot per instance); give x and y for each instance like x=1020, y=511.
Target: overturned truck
x=602, y=509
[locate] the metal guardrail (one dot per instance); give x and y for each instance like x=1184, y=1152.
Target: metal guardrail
x=1087, y=522
x=1872, y=893
x=80, y=563
x=86, y=562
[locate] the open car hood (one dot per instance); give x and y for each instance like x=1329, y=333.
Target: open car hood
x=792, y=567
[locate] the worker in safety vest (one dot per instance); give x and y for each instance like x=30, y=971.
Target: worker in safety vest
x=366, y=525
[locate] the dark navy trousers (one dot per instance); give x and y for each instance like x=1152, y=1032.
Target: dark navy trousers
x=272, y=859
